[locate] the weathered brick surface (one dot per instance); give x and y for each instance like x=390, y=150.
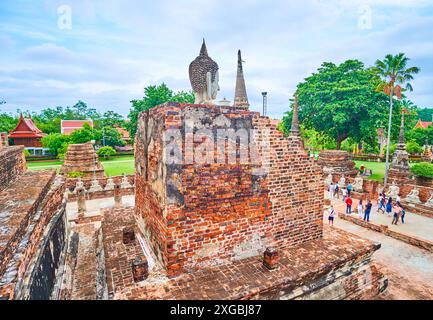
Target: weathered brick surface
x=197, y=215
x=12, y=164
x=26, y=208
x=336, y=266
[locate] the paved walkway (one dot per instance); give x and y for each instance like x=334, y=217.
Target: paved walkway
x=415, y=225
x=409, y=269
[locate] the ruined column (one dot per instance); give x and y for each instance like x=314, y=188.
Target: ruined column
x=81, y=201
x=117, y=196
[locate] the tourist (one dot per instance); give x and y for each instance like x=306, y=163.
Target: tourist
x=381, y=203
x=367, y=211
x=397, y=212
x=403, y=213
x=344, y=192
x=398, y=200
x=336, y=190
x=331, y=188
x=360, y=208
x=389, y=207
x=349, y=189
x=348, y=205
x=331, y=216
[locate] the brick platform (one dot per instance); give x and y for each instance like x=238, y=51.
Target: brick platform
x=82, y=158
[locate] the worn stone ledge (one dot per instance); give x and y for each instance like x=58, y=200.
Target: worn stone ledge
x=422, y=243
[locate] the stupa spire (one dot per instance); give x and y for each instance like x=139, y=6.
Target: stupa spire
x=241, y=99
x=203, y=49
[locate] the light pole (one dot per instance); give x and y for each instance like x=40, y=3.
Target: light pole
x=265, y=102
x=391, y=93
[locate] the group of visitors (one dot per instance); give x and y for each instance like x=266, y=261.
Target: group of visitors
x=395, y=208
x=384, y=205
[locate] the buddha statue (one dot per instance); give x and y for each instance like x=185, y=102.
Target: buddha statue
x=328, y=179
x=342, y=181
x=204, y=77
x=413, y=196
x=358, y=184
x=394, y=190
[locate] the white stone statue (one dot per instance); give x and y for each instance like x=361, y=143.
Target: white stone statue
x=95, y=186
x=110, y=184
x=328, y=180
x=429, y=201
x=413, y=196
x=342, y=182
x=125, y=183
x=79, y=185
x=58, y=181
x=394, y=190
x=358, y=184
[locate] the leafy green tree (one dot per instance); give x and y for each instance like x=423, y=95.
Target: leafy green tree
x=340, y=101
x=153, y=96
x=413, y=147
x=395, y=73
x=7, y=122
x=111, y=119
x=425, y=114
x=55, y=142
x=109, y=136
x=106, y=152
x=83, y=135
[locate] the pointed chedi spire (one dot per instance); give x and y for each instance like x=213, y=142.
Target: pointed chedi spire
x=294, y=130
x=241, y=99
x=203, y=49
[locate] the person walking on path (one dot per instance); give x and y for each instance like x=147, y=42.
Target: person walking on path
x=397, y=212
x=336, y=190
x=403, y=213
x=331, y=216
x=398, y=200
x=349, y=189
x=360, y=208
x=331, y=188
x=367, y=211
x=381, y=203
x=344, y=192
x=389, y=207
x=348, y=205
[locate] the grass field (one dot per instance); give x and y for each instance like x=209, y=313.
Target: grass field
x=113, y=167
x=378, y=169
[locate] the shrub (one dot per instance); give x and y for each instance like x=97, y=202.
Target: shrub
x=423, y=169
x=75, y=174
x=106, y=152
x=26, y=153
x=413, y=147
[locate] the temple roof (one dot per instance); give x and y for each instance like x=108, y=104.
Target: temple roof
x=423, y=124
x=26, y=128
x=69, y=126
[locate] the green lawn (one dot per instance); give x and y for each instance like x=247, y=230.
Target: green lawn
x=378, y=169
x=113, y=167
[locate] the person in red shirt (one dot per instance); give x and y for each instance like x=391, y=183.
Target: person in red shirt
x=349, y=205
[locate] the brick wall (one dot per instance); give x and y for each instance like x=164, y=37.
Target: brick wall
x=197, y=215
x=13, y=163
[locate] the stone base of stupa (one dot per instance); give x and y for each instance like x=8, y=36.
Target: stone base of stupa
x=82, y=158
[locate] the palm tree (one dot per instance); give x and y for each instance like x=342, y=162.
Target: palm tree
x=394, y=71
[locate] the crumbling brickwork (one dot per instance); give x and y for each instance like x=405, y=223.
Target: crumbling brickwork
x=13, y=163
x=195, y=215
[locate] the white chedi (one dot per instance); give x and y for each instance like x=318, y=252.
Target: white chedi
x=413, y=196
x=328, y=180
x=342, y=182
x=110, y=184
x=125, y=183
x=95, y=186
x=430, y=200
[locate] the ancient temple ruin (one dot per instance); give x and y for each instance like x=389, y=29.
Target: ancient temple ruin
x=399, y=169
x=82, y=158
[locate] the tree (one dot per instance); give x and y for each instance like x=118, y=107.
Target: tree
x=413, y=147
x=109, y=136
x=56, y=143
x=394, y=72
x=83, y=135
x=7, y=122
x=425, y=114
x=340, y=101
x=423, y=169
x=153, y=96
x=106, y=152
x=111, y=119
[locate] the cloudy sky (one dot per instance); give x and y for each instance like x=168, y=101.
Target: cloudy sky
x=111, y=50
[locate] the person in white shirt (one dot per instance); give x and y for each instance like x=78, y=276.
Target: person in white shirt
x=331, y=188
x=360, y=209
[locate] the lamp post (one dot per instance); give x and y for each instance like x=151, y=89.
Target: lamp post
x=391, y=93
x=265, y=102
